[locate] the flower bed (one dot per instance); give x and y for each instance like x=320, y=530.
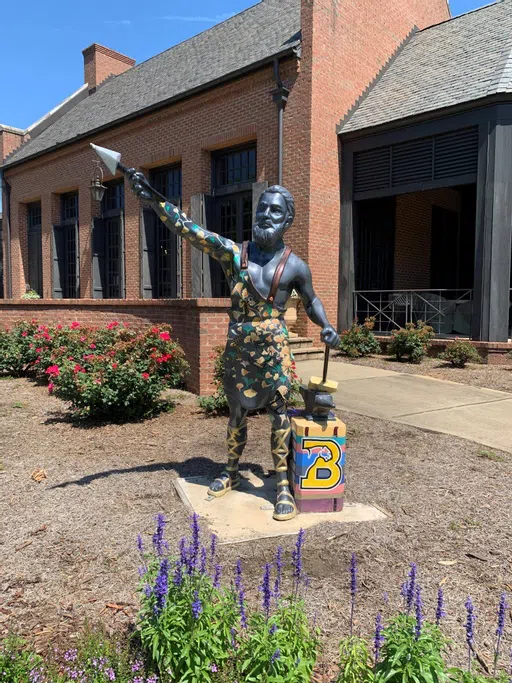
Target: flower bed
x=195, y=626
x=109, y=372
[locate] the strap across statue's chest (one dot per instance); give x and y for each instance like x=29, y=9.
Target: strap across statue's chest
x=266, y=291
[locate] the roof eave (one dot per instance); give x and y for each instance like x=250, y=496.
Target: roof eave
x=430, y=115
x=290, y=50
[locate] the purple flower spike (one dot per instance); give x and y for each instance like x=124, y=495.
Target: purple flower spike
x=470, y=628
x=279, y=572
x=385, y=597
x=440, y=612
x=418, y=604
x=161, y=586
x=158, y=536
x=502, y=609
x=213, y=549
x=238, y=574
x=197, y=606
x=202, y=566
x=217, y=575
x=140, y=544
x=265, y=589
x=297, y=559
x=178, y=574
x=194, y=546
x=275, y=656
x=241, y=606
x=411, y=587
x=353, y=590
x=378, y=640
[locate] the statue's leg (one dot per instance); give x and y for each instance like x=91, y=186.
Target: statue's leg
x=281, y=434
x=236, y=440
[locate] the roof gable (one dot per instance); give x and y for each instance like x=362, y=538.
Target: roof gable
x=463, y=59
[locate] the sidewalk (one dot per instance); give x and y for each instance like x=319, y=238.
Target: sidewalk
x=481, y=415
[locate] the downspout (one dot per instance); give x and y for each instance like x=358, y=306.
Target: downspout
x=4, y=185
x=280, y=97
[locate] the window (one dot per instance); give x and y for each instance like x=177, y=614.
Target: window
x=108, y=245
x=234, y=172
x=35, y=248
x=234, y=167
x=65, y=249
x=161, y=257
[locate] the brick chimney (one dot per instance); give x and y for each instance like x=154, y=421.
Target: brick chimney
x=101, y=62
x=10, y=139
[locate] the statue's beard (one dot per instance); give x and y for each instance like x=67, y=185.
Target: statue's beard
x=266, y=237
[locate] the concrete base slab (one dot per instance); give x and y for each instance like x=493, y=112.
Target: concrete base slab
x=246, y=513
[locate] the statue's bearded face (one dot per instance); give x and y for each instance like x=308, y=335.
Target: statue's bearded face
x=272, y=219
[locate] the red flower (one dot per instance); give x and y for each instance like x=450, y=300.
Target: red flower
x=92, y=346
x=59, y=327
x=165, y=336
x=155, y=330
x=53, y=371
x=112, y=325
x=82, y=339
x=50, y=387
x=114, y=366
x=74, y=325
x=145, y=375
x=78, y=368
x=24, y=334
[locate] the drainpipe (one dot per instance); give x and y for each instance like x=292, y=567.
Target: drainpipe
x=4, y=185
x=280, y=97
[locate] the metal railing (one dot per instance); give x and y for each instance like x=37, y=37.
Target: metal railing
x=447, y=311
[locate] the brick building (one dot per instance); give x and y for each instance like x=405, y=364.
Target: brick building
x=252, y=101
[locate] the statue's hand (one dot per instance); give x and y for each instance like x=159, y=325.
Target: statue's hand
x=137, y=180
x=330, y=337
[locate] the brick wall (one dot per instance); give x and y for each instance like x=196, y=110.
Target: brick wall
x=413, y=230
x=345, y=44
x=199, y=325
x=186, y=132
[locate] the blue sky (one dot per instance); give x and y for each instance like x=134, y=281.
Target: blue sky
x=41, y=59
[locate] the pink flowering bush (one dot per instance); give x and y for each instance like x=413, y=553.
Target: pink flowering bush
x=109, y=372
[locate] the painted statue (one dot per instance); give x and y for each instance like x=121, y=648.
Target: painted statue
x=262, y=275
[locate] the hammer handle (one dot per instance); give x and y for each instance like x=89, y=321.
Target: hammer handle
x=326, y=363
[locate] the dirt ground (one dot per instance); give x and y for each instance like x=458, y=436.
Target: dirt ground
x=68, y=544
x=486, y=376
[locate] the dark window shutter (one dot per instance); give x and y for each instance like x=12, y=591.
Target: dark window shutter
x=204, y=270
x=35, y=259
x=77, y=248
x=98, y=258
x=122, y=265
x=148, y=231
x=58, y=258
x=456, y=153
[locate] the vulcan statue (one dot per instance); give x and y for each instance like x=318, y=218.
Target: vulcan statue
x=261, y=275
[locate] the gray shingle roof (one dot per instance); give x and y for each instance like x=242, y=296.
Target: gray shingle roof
x=257, y=34
x=464, y=59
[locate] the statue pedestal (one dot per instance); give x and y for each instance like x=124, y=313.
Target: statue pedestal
x=317, y=463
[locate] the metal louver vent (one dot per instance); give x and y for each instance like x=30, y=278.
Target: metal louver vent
x=437, y=160
x=372, y=169
x=456, y=153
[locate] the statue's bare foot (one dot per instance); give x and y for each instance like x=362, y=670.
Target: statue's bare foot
x=223, y=484
x=285, y=507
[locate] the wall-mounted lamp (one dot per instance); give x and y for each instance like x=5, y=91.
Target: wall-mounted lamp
x=97, y=187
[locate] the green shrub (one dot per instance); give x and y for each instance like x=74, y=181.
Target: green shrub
x=121, y=374
x=411, y=342
x=355, y=663
x=459, y=353
x=359, y=340
x=18, y=348
x=16, y=661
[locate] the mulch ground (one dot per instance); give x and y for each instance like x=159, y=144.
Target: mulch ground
x=67, y=544
x=486, y=376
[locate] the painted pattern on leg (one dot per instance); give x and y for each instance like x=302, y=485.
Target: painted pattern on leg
x=281, y=433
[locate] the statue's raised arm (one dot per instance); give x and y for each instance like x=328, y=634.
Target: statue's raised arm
x=177, y=221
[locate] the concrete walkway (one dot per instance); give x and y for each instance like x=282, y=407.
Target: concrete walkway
x=481, y=415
